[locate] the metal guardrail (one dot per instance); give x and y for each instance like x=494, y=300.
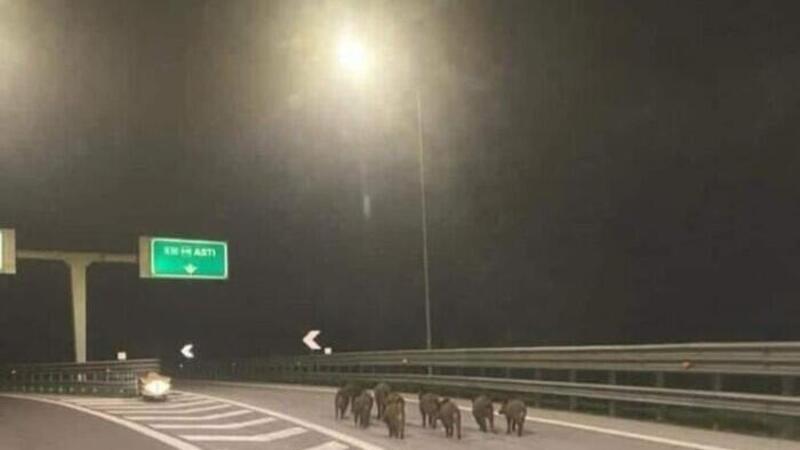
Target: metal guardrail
x=730, y=401
x=654, y=375
x=107, y=378
x=781, y=358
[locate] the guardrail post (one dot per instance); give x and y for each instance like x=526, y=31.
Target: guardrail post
x=573, y=401
x=787, y=385
x=716, y=382
x=787, y=425
x=612, y=405
x=660, y=382
x=716, y=385
x=537, y=398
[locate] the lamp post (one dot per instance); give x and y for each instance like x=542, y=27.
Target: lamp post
x=355, y=58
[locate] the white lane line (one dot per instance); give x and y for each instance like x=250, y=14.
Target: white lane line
x=266, y=437
x=211, y=426
x=619, y=433
x=141, y=429
x=162, y=407
x=171, y=411
x=626, y=434
x=561, y=423
x=238, y=412
x=332, y=445
x=358, y=443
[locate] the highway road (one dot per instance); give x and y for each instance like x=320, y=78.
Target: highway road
x=241, y=416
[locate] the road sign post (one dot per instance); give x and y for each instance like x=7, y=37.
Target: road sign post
x=8, y=256
x=183, y=258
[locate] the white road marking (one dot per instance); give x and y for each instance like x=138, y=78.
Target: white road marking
x=119, y=402
x=157, y=435
x=627, y=434
x=212, y=426
x=166, y=406
x=595, y=429
x=266, y=437
x=215, y=407
x=238, y=412
x=333, y=445
x=358, y=443
x=104, y=402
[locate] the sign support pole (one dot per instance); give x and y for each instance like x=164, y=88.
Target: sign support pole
x=78, y=263
x=77, y=275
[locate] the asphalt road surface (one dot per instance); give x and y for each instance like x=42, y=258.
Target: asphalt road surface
x=33, y=425
x=236, y=416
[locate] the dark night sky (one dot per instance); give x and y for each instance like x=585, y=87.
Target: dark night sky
x=598, y=172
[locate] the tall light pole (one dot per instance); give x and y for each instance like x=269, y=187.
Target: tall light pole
x=424, y=204
x=354, y=57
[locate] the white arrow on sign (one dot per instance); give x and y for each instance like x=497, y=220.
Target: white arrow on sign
x=190, y=268
x=187, y=352
x=309, y=340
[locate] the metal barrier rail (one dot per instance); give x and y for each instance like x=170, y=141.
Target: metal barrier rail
x=750, y=378
x=730, y=401
x=781, y=358
x=110, y=378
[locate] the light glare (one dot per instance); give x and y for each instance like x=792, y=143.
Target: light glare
x=352, y=55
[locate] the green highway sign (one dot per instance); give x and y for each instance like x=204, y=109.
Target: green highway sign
x=183, y=258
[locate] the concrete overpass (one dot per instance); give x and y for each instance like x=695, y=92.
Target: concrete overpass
x=228, y=415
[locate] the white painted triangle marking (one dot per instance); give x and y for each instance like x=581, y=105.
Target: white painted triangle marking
x=332, y=445
x=212, y=426
x=171, y=411
x=274, y=436
x=238, y=412
x=167, y=407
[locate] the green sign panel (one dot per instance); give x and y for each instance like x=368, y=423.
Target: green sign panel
x=184, y=258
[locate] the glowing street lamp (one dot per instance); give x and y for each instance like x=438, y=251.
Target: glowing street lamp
x=353, y=56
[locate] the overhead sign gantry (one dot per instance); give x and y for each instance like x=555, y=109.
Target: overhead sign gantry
x=157, y=258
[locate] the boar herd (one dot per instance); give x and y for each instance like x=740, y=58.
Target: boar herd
x=391, y=409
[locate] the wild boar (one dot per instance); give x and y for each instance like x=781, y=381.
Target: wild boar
x=381, y=390
x=352, y=390
x=428, y=407
x=362, y=409
x=483, y=412
x=341, y=402
x=395, y=416
x=450, y=416
x=515, y=412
